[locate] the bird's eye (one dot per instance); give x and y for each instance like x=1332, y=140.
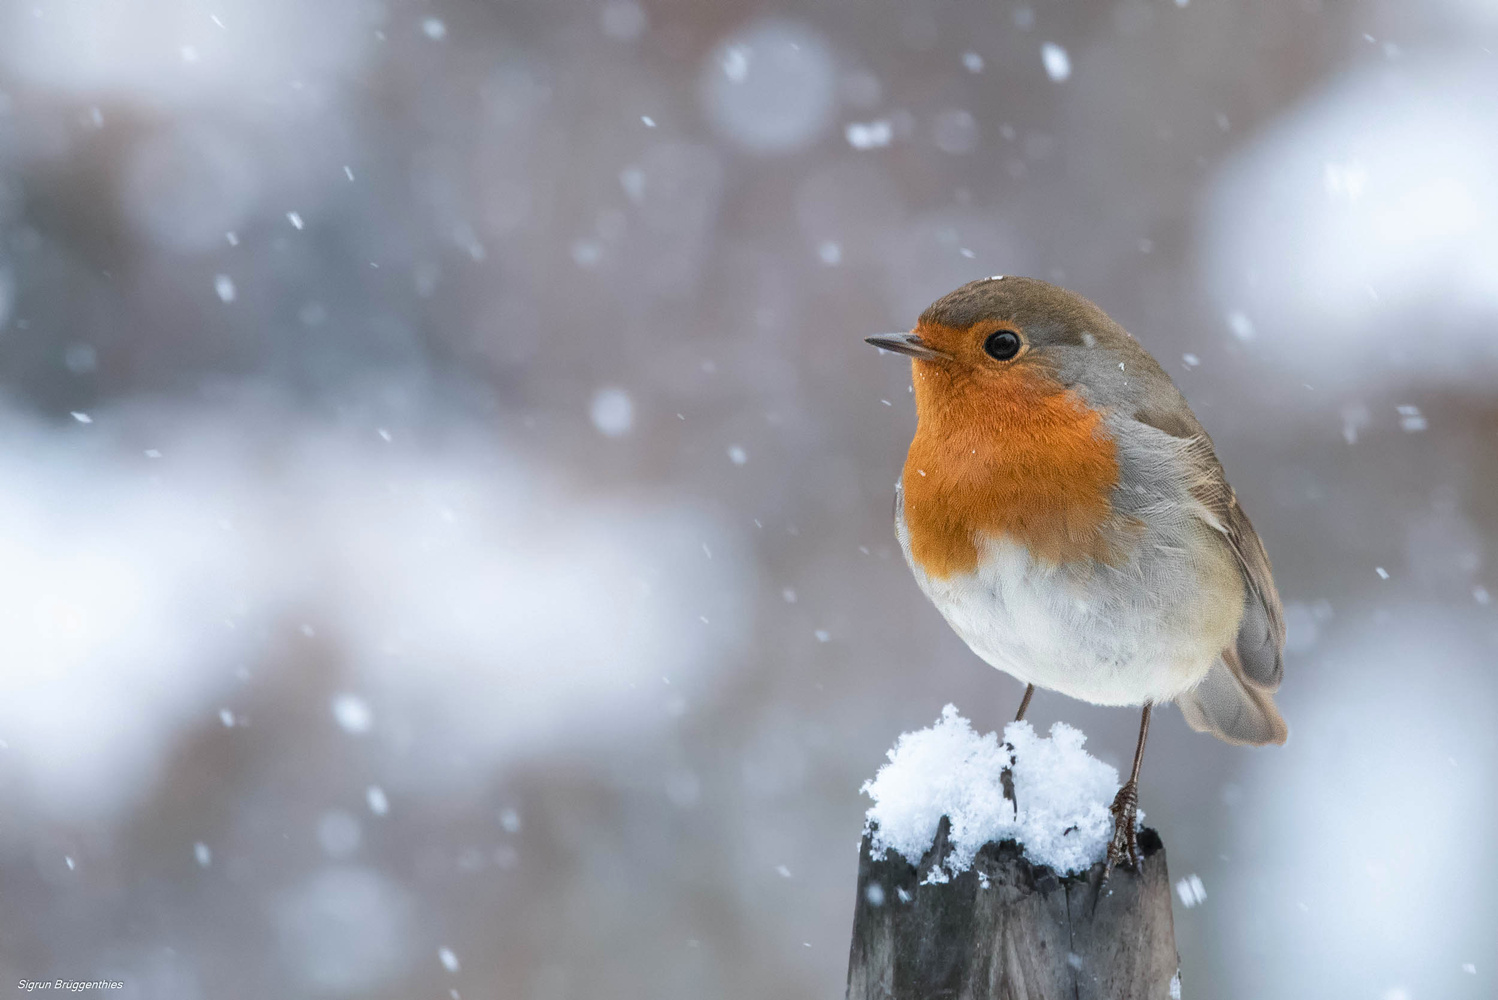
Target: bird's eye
x=1002, y=345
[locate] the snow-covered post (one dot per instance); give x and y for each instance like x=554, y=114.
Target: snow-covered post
x=983, y=914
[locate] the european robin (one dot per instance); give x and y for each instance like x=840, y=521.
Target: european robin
x=1066, y=513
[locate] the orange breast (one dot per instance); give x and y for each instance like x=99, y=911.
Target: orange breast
x=1014, y=456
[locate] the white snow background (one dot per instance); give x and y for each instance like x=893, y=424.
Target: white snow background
x=481, y=611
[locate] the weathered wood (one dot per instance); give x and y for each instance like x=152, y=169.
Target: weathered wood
x=1026, y=935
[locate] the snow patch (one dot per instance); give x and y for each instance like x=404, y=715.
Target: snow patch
x=612, y=411
x=1191, y=891
x=1060, y=817
x=1057, y=61
x=870, y=135
x=771, y=87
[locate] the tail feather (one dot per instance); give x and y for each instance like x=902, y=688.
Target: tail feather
x=1227, y=706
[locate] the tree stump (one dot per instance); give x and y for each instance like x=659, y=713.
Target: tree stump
x=1008, y=930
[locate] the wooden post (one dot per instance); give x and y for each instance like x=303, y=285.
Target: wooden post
x=1025, y=935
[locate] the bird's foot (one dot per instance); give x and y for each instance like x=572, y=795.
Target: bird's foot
x=1124, y=848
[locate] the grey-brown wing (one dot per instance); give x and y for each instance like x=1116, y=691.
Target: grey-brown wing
x=1228, y=705
x=1261, y=635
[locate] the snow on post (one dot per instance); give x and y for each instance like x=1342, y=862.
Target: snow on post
x=981, y=875
x=1058, y=812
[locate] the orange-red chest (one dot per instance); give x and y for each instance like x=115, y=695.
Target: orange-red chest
x=1012, y=456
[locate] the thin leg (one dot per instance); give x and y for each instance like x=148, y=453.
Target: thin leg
x=1144, y=731
x=1025, y=702
x=1006, y=776
x=1125, y=844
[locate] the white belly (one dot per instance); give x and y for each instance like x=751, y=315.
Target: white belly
x=1145, y=632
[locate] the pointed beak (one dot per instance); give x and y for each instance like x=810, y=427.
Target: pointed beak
x=904, y=343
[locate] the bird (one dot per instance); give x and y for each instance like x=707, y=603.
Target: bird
x=1067, y=514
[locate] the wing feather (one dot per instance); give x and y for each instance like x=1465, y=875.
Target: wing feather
x=1259, y=652
x=1227, y=706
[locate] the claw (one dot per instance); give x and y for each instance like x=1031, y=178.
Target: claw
x=1124, y=848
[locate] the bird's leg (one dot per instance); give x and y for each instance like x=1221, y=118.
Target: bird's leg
x=1024, y=703
x=1006, y=776
x=1125, y=844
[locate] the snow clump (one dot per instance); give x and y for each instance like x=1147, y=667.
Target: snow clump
x=1063, y=794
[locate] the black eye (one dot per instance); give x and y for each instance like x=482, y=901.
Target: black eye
x=1002, y=345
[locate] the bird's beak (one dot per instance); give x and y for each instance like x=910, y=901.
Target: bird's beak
x=905, y=343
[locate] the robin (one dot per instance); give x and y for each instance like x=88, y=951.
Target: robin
x=1066, y=513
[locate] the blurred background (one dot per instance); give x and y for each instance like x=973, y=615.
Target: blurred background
x=445, y=541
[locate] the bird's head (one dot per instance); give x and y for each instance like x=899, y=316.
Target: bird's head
x=1002, y=340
